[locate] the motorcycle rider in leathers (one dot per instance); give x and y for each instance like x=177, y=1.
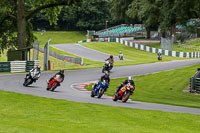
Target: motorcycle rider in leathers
x=125, y=82
x=61, y=73
x=111, y=60
x=104, y=77
x=37, y=69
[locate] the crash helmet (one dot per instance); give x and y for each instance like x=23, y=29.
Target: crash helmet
x=62, y=71
x=130, y=78
x=111, y=56
x=39, y=66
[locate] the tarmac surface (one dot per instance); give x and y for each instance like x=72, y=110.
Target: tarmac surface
x=73, y=78
x=85, y=52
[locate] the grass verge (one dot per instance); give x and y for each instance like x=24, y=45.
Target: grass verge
x=138, y=56
x=163, y=87
x=60, y=37
x=175, y=47
x=26, y=113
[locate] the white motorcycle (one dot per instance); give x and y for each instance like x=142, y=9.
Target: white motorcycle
x=31, y=77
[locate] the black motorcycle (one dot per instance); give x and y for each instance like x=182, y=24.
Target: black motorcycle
x=31, y=77
x=107, y=67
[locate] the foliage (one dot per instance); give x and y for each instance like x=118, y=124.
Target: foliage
x=166, y=14
x=118, y=11
x=10, y=19
x=89, y=15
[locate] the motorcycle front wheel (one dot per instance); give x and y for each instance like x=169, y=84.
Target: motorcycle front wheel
x=125, y=96
x=27, y=82
x=53, y=87
x=92, y=93
x=101, y=91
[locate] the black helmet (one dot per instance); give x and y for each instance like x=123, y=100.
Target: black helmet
x=62, y=71
x=111, y=56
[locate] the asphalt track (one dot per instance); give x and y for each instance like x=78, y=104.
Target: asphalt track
x=84, y=52
x=66, y=91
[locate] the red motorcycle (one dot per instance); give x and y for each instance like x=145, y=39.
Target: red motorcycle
x=54, y=83
x=124, y=93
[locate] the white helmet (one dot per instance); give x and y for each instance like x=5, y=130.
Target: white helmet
x=130, y=78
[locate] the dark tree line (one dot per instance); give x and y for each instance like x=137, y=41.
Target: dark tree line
x=19, y=17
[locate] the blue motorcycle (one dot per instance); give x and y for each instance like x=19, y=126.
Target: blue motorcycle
x=99, y=89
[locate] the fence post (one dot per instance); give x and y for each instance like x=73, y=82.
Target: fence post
x=46, y=55
x=81, y=61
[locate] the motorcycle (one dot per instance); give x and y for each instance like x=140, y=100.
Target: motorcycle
x=121, y=56
x=107, y=67
x=159, y=57
x=54, y=83
x=31, y=77
x=124, y=93
x=99, y=89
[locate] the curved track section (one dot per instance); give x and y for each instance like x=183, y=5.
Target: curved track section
x=67, y=92
x=84, y=52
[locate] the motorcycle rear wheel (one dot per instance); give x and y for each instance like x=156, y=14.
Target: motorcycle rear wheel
x=115, y=97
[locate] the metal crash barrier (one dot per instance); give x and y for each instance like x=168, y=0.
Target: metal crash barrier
x=195, y=82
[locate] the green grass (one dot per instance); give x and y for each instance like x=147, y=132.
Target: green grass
x=195, y=42
x=31, y=114
x=3, y=56
x=163, y=87
x=60, y=37
x=138, y=56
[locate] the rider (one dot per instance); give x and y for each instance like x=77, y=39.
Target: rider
x=36, y=69
x=104, y=77
x=120, y=55
x=111, y=60
x=61, y=73
x=129, y=80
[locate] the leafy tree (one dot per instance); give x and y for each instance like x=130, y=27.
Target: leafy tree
x=118, y=10
x=17, y=13
x=164, y=13
x=89, y=15
x=147, y=11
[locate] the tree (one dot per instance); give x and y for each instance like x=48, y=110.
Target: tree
x=118, y=11
x=164, y=13
x=147, y=11
x=19, y=12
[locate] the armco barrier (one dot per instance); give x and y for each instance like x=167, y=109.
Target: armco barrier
x=29, y=65
x=18, y=66
x=4, y=67
x=63, y=57
x=195, y=82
